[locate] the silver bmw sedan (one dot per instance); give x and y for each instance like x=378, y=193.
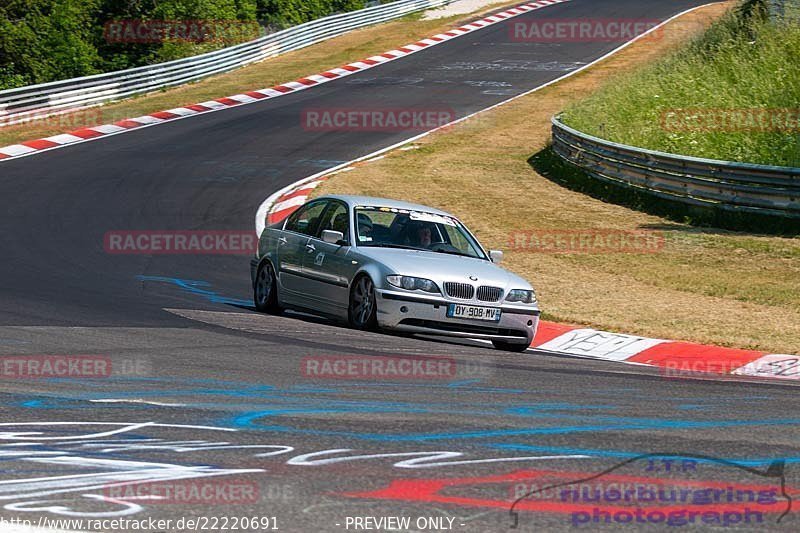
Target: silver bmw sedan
x=386, y=264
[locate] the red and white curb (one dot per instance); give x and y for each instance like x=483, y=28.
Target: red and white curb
x=89, y=134
x=675, y=359
x=288, y=202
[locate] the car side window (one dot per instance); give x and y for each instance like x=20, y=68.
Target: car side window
x=336, y=219
x=306, y=219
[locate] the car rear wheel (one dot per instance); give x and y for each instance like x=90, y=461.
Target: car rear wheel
x=362, y=311
x=510, y=346
x=265, y=290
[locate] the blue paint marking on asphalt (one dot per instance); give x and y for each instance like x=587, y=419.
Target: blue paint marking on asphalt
x=312, y=388
x=258, y=407
x=620, y=454
x=463, y=383
x=534, y=410
x=71, y=403
x=278, y=407
x=274, y=402
x=395, y=387
x=248, y=421
x=197, y=287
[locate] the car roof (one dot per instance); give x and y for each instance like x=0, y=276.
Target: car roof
x=354, y=201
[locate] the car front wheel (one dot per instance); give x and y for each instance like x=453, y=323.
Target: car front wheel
x=362, y=311
x=265, y=290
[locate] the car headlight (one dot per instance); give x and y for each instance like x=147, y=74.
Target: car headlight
x=521, y=295
x=411, y=283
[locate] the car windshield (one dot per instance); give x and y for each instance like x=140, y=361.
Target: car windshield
x=389, y=227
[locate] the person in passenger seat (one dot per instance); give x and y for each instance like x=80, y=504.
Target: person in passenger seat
x=364, y=227
x=340, y=224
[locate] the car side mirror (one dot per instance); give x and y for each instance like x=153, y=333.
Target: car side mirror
x=332, y=237
x=496, y=256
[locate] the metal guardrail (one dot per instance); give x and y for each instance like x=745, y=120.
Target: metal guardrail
x=35, y=101
x=738, y=187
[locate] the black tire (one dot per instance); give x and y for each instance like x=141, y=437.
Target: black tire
x=509, y=346
x=265, y=290
x=362, y=312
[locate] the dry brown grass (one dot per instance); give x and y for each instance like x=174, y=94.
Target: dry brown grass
x=725, y=288
x=330, y=54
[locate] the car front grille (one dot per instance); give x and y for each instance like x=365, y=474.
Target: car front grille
x=489, y=294
x=461, y=291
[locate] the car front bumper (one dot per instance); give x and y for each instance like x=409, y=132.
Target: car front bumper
x=414, y=313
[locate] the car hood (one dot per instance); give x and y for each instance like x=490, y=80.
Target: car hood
x=444, y=267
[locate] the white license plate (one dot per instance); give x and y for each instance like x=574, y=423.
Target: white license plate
x=472, y=312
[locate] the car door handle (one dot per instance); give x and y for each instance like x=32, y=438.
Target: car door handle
x=310, y=248
x=282, y=241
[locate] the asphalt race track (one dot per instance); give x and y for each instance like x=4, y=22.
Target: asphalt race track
x=205, y=392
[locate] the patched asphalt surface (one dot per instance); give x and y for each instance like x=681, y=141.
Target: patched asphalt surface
x=214, y=392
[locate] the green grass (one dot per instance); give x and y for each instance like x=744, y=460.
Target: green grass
x=742, y=62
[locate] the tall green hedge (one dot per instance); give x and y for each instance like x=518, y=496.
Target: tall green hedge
x=48, y=40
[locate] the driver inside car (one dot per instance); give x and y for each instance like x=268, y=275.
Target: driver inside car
x=424, y=236
x=420, y=235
